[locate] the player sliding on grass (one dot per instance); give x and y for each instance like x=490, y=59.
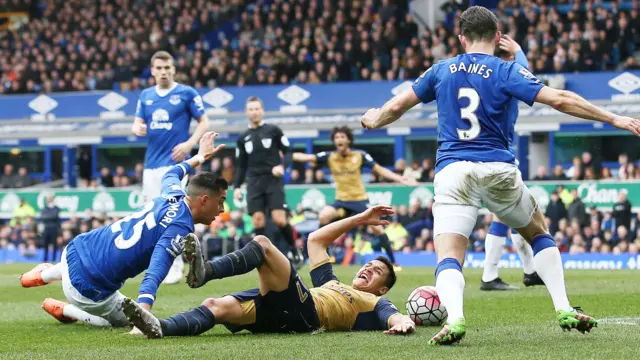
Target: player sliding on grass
x=96, y=264
x=346, y=165
x=474, y=166
x=283, y=303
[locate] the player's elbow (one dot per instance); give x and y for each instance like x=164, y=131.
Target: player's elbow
x=562, y=100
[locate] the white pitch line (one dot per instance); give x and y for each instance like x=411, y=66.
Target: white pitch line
x=627, y=321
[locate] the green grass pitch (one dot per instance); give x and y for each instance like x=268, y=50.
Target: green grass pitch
x=500, y=325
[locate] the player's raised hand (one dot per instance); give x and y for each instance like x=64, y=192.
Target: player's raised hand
x=509, y=45
x=374, y=214
x=278, y=170
x=139, y=129
x=208, y=146
x=406, y=326
x=370, y=118
x=627, y=123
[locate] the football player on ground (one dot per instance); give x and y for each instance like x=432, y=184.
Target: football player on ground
x=474, y=165
x=96, y=264
x=258, y=154
x=508, y=50
x=164, y=114
x=283, y=303
x=346, y=165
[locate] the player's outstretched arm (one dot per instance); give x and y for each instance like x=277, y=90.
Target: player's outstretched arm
x=207, y=150
x=391, y=111
x=400, y=325
x=320, y=240
x=166, y=250
x=573, y=104
x=302, y=157
x=390, y=175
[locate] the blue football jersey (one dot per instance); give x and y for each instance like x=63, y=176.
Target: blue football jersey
x=521, y=59
x=168, y=119
x=150, y=239
x=474, y=94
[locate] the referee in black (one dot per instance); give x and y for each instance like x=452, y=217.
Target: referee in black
x=258, y=157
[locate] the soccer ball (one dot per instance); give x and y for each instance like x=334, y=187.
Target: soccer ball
x=424, y=307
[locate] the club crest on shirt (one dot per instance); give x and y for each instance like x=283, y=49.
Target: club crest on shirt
x=174, y=99
x=148, y=102
x=248, y=147
x=266, y=143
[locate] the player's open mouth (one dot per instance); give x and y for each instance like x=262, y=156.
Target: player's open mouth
x=364, y=277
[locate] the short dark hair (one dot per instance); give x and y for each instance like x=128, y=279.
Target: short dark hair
x=502, y=54
x=344, y=130
x=391, y=279
x=478, y=23
x=207, y=181
x=255, y=98
x=161, y=55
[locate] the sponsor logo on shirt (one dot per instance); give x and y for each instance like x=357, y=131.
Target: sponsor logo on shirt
x=160, y=120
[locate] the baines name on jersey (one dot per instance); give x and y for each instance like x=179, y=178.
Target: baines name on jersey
x=171, y=213
x=479, y=69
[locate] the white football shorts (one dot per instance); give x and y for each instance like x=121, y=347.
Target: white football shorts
x=463, y=187
x=108, y=308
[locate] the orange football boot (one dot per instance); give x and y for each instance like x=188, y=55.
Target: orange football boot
x=54, y=308
x=34, y=276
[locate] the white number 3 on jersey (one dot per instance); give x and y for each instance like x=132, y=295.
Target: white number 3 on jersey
x=144, y=217
x=469, y=113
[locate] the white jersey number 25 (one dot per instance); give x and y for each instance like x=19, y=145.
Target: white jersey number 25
x=143, y=217
x=469, y=113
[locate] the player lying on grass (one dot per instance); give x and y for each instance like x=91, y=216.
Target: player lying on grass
x=96, y=264
x=283, y=303
x=474, y=166
x=346, y=165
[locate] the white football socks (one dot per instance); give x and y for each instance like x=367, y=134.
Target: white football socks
x=548, y=264
x=53, y=273
x=493, y=246
x=450, y=286
x=526, y=253
x=75, y=313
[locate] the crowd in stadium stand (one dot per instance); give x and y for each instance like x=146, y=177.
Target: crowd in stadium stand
x=80, y=45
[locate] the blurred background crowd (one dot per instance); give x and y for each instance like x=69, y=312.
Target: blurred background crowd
x=77, y=45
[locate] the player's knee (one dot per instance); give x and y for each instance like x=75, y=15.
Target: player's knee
x=264, y=242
